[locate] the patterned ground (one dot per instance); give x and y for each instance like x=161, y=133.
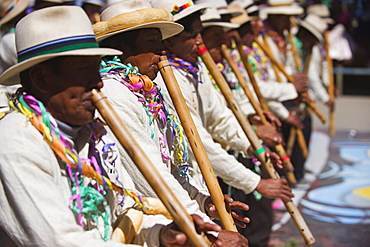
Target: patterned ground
x=336, y=201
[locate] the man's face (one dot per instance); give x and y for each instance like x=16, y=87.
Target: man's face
x=308, y=40
x=146, y=55
x=229, y=36
x=280, y=22
x=213, y=38
x=67, y=88
x=184, y=45
x=247, y=34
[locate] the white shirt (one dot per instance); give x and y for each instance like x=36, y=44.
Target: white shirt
x=215, y=122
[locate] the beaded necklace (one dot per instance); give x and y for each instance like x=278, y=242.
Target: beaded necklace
x=86, y=200
x=184, y=65
x=153, y=102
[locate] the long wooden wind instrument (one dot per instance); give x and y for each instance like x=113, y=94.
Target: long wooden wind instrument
x=331, y=87
x=196, y=143
x=295, y=133
x=295, y=52
x=247, y=66
x=146, y=167
x=287, y=165
x=248, y=130
x=274, y=66
x=291, y=79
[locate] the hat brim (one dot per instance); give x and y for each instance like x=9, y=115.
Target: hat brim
x=11, y=75
x=284, y=10
x=242, y=19
x=328, y=20
x=190, y=10
x=312, y=30
x=19, y=8
x=226, y=25
x=233, y=12
x=220, y=24
x=168, y=29
x=252, y=9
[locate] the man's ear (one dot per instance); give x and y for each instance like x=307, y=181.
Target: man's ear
x=38, y=75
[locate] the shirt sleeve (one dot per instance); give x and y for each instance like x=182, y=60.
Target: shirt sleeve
x=317, y=87
x=277, y=91
x=278, y=109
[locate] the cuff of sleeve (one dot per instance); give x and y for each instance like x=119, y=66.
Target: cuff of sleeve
x=325, y=98
x=254, y=180
x=279, y=110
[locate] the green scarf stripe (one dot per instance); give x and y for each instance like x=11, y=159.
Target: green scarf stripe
x=61, y=49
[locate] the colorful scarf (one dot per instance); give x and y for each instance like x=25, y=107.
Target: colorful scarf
x=278, y=40
x=258, y=60
x=184, y=65
x=149, y=94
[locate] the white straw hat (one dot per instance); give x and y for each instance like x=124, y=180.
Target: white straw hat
x=178, y=8
x=243, y=3
x=221, y=6
x=242, y=19
x=283, y=7
x=53, y=32
x=11, y=8
x=111, y=2
x=320, y=10
x=316, y=25
x=211, y=17
x=132, y=15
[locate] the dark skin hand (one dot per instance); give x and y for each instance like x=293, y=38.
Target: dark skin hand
x=274, y=157
x=300, y=82
x=294, y=120
x=269, y=135
x=256, y=120
x=231, y=205
x=171, y=234
x=232, y=239
x=330, y=105
x=275, y=188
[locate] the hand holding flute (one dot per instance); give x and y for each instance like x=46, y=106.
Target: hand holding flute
x=259, y=150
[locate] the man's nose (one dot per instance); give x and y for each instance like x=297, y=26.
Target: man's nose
x=199, y=39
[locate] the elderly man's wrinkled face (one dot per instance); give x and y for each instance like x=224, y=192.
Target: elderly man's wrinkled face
x=66, y=87
x=184, y=45
x=145, y=52
x=213, y=38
